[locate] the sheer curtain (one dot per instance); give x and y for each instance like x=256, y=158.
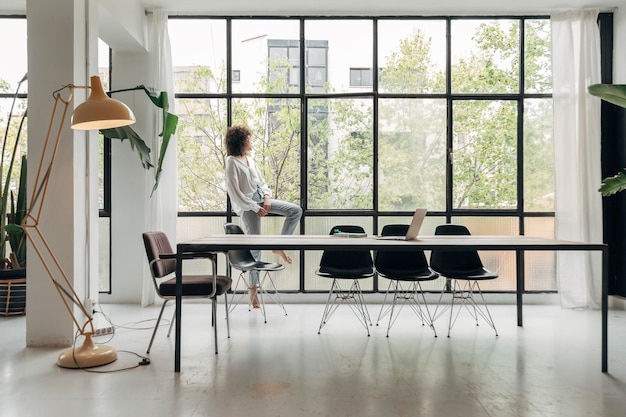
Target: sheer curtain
x=578, y=204
x=162, y=205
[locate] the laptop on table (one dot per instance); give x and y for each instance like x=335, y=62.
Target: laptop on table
x=414, y=228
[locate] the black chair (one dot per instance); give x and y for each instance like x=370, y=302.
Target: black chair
x=350, y=266
x=462, y=270
x=244, y=262
x=162, y=263
x=405, y=269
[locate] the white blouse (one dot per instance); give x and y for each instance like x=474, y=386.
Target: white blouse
x=241, y=183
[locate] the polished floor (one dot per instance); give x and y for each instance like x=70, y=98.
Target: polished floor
x=549, y=367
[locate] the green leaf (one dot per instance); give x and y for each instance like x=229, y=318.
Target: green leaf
x=170, y=121
x=613, y=93
x=136, y=143
x=614, y=184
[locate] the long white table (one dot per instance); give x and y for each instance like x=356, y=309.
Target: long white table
x=519, y=244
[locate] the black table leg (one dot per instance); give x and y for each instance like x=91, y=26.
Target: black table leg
x=605, y=308
x=519, y=260
x=179, y=295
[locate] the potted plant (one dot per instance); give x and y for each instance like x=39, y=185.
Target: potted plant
x=13, y=267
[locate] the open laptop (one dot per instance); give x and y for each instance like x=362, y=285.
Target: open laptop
x=414, y=227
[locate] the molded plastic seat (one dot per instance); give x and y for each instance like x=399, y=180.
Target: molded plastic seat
x=351, y=266
x=464, y=266
x=405, y=269
x=243, y=261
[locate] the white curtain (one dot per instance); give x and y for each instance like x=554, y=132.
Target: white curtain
x=578, y=204
x=162, y=204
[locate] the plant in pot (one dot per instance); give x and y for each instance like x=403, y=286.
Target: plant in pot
x=13, y=268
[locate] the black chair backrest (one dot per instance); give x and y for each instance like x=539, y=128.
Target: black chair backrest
x=233, y=229
x=238, y=258
x=347, y=264
x=398, y=262
x=394, y=230
x=454, y=262
x=156, y=244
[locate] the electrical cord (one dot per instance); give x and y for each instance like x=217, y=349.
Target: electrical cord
x=144, y=360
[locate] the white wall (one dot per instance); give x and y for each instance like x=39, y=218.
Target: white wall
x=55, y=61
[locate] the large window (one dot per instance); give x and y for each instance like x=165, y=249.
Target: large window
x=13, y=132
x=361, y=120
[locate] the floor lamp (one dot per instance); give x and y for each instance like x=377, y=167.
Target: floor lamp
x=98, y=112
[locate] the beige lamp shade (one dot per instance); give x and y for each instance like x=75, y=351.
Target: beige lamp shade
x=100, y=111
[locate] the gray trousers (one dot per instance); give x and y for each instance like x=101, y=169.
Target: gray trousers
x=252, y=223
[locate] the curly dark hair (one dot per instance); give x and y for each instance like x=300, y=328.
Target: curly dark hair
x=235, y=139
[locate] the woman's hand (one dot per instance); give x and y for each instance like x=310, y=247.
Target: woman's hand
x=262, y=212
x=267, y=205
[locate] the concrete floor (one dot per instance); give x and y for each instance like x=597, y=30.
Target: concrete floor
x=550, y=367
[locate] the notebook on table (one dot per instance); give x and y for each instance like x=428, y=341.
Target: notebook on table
x=414, y=228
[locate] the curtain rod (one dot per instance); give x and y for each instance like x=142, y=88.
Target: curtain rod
x=609, y=10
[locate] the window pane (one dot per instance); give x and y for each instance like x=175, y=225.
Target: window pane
x=14, y=144
x=201, y=154
x=538, y=155
x=335, y=46
x=198, y=55
x=412, y=154
x=485, y=154
x=196, y=227
x=538, y=56
x=13, y=68
x=275, y=125
x=104, y=65
x=412, y=54
x=104, y=254
x=340, y=154
x=540, y=266
x=502, y=262
x=261, y=48
x=14, y=65
x=485, y=56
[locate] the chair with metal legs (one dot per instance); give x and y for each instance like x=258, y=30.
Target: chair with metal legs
x=244, y=262
x=463, y=271
x=405, y=269
x=350, y=266
x=162, y=263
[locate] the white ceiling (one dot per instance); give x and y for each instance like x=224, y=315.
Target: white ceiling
x=354, y=7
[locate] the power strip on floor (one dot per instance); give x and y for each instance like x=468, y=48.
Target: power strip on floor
x=103, y=331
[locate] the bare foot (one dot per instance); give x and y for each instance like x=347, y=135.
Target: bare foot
x=254, y=299
x=283, y=255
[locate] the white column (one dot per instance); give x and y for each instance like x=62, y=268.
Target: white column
x=57, y=55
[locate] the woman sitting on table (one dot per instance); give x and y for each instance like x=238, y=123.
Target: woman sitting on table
x=252, y=198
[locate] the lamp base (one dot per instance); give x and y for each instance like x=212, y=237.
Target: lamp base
x=88, y=355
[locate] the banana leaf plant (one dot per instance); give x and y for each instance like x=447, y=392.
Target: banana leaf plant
x=615, y=94
x=170, y=121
